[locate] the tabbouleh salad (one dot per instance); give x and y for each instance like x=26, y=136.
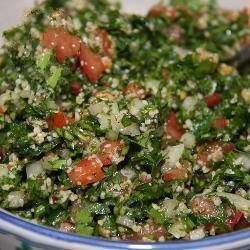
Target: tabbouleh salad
x=125, y=126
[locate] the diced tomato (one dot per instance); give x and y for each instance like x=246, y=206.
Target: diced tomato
x=174, y=174
x=59, y=120
x=75, y=88
x=71, y=120
x=105, y=41
x=177, y=173
x=67, y=227
x=1, y=154
x=233, y=220
x=87, y=171
x=134, y=89
x=204, y=151
x=213, y=100
x=50, y=36
x=110, y=152
x=65, y=44
x=1, y=110
x=150, y=230
x=174, y=33
x=203, y=205
x=220, y=123
x=243, y=223
x=227, y=147
x=168, y=11
x=173, y=127
x=91, y=64
x=246, y=12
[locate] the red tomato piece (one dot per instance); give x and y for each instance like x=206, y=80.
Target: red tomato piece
x=220, y=123
x=105, y=41
x=204, y=151
x=213, y=100
x=110, y=152
x=50, y=36
x=204, y=206
x=177, y=173
x=168, y=11
x=1, y=154
x=1, y=110
x=87, y=171
x=175, y=33
x=173, y=127
x=134, y=89
x=75, y=88
x=233, y=220
x=71, y=120
x=59, y=120
x=246, y=12
x=150, y=230
x=174, y=174
x=91, y=63
x=228, y=147
x=65, y=44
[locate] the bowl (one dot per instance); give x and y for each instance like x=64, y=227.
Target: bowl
x=19, y=234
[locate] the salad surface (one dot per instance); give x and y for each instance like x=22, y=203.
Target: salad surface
x=125, y=126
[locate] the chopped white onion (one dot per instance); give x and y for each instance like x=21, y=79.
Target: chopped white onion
x=98, y=108
x=188, y=140
x=35, y=169
x=125, y=221
x=3, y=170
x=174, y=154
x=132, y=130
x=189, y=103
x=244, y=160
x=177, y=230
x=169, y=207
x=16, y=199
x=197, y=234
x=238, y=201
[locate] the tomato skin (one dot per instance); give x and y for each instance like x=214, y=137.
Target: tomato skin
x=75, y=88
x=2, y=111
x=177, y=173
x=228, y=147
x=173, y=127
x=50, y=37
x=174, y=174
x=134, y=89
x=106, y=43
x=220, y=123
x=57, y=120
x=204, y=151
x=91, y=64
x=87, y=171
x=213, y=100
x=65, y=44
x=60, y=120
x=168, y=11
x=204, y=206
x=1, y=154
x=246, y=12
x=110, y=152
x=149, y=230
x=232, y=221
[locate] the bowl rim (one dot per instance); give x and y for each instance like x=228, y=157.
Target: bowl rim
x=218, y=240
